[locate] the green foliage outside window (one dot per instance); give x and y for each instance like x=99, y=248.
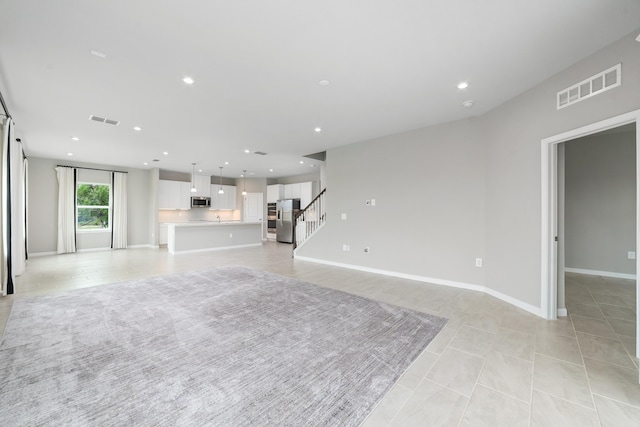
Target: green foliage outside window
x=93, y=206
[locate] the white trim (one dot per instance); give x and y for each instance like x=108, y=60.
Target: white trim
x=548, y=171
x=215, y=249
x=37, y=254
x=94, y=249
x=142, y=246
x=600, y=273
x=470, y=286
x=562, y=312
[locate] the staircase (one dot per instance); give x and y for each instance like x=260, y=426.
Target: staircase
x=309, y=220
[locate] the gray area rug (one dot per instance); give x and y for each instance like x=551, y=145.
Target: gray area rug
x=223, y=347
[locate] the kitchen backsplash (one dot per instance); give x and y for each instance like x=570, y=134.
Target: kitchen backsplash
x=198, y=214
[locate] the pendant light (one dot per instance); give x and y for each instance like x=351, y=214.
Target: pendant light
x=244, y=187
x=220, y=191
x=193, y=178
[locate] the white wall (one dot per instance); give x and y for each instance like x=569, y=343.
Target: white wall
x=454, y=192
x=429, y=214
x=42, y=218
x=600, y=197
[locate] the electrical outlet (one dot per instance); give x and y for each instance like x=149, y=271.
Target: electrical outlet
x=373, y=202
x=343, y=216
x=631, y=255
x=231, y=235
x=367, y=250
x=346, y=247
x=478, y=262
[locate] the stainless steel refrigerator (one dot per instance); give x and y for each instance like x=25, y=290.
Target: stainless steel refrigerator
x=285, y=216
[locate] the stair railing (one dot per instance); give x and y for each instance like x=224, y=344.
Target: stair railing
x=309, y=220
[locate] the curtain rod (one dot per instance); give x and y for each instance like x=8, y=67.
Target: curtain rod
x=90, y=169
x=4, y=106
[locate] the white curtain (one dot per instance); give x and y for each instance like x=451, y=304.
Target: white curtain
x=18, y=209
x=119, y=226
x=6, y=279
x=66, y=209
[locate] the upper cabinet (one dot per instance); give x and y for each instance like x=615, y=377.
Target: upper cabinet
x=301, y=190
x=225, y=201
x=203, y=186
x=174, y=194
x=275, y=192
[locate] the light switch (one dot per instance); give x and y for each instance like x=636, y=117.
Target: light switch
x=343, y=216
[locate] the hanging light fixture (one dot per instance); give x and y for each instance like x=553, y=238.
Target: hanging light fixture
x=220, y=191
x=193, y=178
x=244, y=187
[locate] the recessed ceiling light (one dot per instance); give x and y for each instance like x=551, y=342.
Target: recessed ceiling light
x=69, y=154
x=468, y=104
x=165, y=153
x=463, y=85
x=226, y=163
x=247, y=151
x=199, y=170
x=302, y=162
x=270, y=170
x=98, y=54
x=75, y=138
x=188, y=80
x=312, y=165
x=145, y=163
x=324, y=82
x=318, y=130
x=137, y=128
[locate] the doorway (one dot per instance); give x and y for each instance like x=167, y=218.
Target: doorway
x=253, y=209
x=553, y=267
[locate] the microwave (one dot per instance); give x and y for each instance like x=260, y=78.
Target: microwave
x=201, y=202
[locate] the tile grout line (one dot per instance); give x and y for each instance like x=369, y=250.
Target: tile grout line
x=593, y=400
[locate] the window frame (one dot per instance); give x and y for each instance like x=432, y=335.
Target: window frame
x=109, y=208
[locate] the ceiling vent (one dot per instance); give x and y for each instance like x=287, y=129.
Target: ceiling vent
x=260, y=153
x=594, y=85
x=103, y=120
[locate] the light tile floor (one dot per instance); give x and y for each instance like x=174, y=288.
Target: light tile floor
x=492, y=365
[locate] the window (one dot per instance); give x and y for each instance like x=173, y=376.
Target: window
x=93, y=207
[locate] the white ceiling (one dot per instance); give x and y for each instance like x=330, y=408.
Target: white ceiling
x=392, y=65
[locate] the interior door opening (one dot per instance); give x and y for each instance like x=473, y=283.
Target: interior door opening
x=553, y=264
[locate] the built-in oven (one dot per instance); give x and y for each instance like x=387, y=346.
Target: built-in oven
x=271, y=217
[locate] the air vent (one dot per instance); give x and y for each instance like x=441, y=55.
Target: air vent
x=103, y=120
x=594, y=85
x=260, y=153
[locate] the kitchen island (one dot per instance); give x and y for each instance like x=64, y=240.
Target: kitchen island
x=186, y=237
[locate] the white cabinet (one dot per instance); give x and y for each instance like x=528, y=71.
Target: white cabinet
x=174, y=194
x=163, y=234
x=184, y=196
x=306, y=194
x=226, y=201
x=275, y=192
x=292, y=191
x=203, y=186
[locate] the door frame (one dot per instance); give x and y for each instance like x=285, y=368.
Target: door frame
x=549, y=199
x=261, y=204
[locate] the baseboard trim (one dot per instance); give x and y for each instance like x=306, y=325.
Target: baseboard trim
x=193, y=251
x=38, y=254
x=142, y=246
x=469, y=286
x=93, y=250
x=562, y=312
x=600, y=273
